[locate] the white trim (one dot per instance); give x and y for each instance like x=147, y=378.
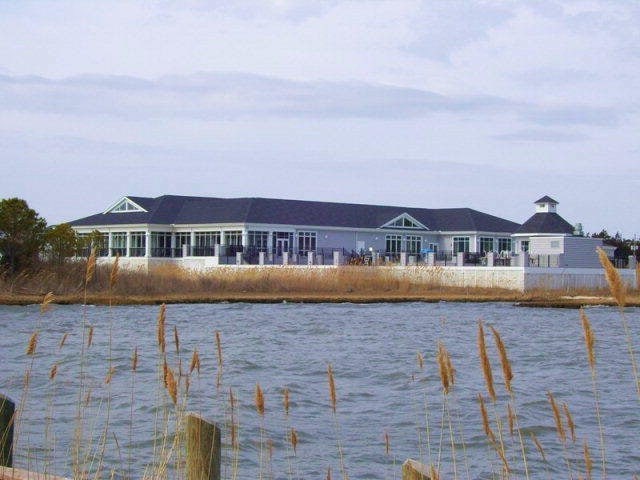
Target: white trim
x=124, y=199
x=404, y=216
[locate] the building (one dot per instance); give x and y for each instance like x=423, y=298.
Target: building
x=551, y=241
x=202, y=232
x=231, y=230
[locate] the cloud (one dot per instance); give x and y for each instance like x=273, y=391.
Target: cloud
x=541, y=136
x=450, y=25
x=217, y=96
x=575, y=115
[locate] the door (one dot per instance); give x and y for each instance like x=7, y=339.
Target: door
x=282, y=245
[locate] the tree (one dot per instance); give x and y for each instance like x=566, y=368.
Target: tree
x=22, y=233
x=61, y=242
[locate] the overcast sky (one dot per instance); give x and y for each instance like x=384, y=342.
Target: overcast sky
x=488, y=105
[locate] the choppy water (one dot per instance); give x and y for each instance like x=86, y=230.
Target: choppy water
x=380, y=388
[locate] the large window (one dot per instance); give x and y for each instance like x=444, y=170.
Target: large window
x=258, y=240
x=393, y=243
x=233, y=240
x=138, y=244
x=504, y=245
x=460, y=244
x=160, y=244
x=182, y=238
x=206, y=243
x=306, y=242
x=119, y=244
x=414, y=244
x=486, y=244
x=233, y=237
x=95, y=239
x=125, y=206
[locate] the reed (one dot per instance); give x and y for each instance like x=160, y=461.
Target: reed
x=569, y=421
x=588, y=463
x=333, y=397
x=616, y=286
x=258, y=401
x=590, y=343
x=485, y=364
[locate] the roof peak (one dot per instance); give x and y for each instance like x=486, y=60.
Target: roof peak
x=546, y=199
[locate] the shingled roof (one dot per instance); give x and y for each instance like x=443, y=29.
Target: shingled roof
x=546, y=199
x=185, y=210
x=546, y=222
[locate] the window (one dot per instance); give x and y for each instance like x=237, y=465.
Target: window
x=126, y=205
x=486, y=244
x=233, y=238
x=460, y=244
x=414, y=244
x=555, y=243
x=205, y=243
x=404, y=221
x=119, y=244
x=182, y=238
x=306, y=242
x=258, y=240
x=524, y=246
x=138, y=244
x=95, y=239
x=393, y=243
x=504, y=244
x=160, y=244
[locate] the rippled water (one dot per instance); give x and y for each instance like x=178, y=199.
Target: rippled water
x=380, y=388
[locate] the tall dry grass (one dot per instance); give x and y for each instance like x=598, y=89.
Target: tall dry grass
x=174, y=283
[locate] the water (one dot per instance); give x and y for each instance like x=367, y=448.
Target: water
x=379, y=386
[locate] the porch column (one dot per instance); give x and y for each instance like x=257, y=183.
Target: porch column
x=109, y=244
x=147, y=244
x=128, y=244
x=193, y=242
x=270, y=246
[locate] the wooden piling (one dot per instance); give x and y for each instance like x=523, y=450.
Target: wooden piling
x=7, y=473
x=7, y=413
x=203, y=449
x=414, y=470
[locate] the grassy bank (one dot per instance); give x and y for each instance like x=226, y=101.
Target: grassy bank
x=171, y=284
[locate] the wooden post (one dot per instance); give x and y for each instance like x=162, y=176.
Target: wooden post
x=413, y=470
x=203, y=449
x=7, y=412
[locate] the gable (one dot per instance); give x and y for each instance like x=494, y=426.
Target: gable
x=124, y=205
x=404, y=221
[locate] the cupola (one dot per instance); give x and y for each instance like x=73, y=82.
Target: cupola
x=546, y=205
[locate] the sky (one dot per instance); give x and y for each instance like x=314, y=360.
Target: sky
x=482, y=104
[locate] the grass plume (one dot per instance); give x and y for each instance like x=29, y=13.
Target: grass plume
x=504, y=360
x=484, y=363
x=616, y=286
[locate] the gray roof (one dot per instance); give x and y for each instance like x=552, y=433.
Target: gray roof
x=546, y=199
x=181, y=210
x=546, y=222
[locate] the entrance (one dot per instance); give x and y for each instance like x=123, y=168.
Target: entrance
x=282, y=245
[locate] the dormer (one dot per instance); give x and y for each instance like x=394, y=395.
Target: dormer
x=546, y=205
x=124, y=205
x=404, y=221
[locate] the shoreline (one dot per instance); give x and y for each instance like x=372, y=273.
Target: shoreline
x=522, y=300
